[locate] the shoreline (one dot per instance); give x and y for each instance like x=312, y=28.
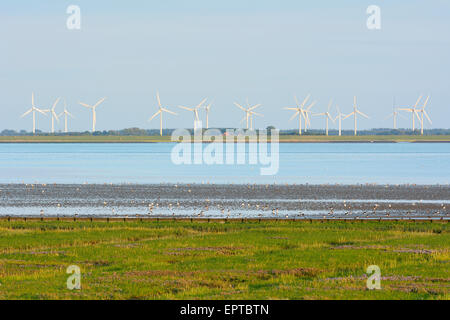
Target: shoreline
x=282, y=139
x=24, y=218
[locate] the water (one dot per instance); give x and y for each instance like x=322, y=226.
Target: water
x=314, y=163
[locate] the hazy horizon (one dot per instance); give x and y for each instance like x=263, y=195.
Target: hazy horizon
x=261, y=50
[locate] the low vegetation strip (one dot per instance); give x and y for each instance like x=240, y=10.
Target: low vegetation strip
x=228, y=260
x=282, y=138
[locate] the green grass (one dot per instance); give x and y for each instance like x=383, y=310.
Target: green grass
x=85, y=138
x=233, y=260
x=377, y=138
x=283, y=138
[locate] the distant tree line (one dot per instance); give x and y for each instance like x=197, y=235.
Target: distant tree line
x=168, y=132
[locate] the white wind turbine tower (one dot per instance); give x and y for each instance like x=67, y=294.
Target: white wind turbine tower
x=195, y=111
x=394, y=115
x=33, y=110
x=207, y=109
x=251, y=118
x=66, y=114
x=94, y=116
x=339, y=117
x=355, y=114
x=248, y=111
x=53, y=114
x=160, y=113
x=307, y=111
x=422, y=111
x=301, y=112
x=413, y=111
x=326, y=115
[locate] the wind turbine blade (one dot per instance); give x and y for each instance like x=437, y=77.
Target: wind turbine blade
x=157, y=98
x=85, y=105
x=42, y=111
x=55, y=103
x=401, y=115
x=306, y=100
x=328, y=115
x=306, y=116
x=329, y=105
x=417, y=115
x=72, y=116
x=311, y=105
x=363, y=114
x=165, y=110
x=294, y=115
x=239, y=106
x=186, y=108
x=318, y=114
x=389, y=116
x=426, y=102
x=243, y=119
x=32, y=99
x=426, y=115
x=417, y=102
x=296, y=101
x=350, y=114
x=98, y=103
x=254, y=107
x=55, y=115
x=201, y=103
x=26, y=113
x=257, y=114
x=159, y=111
x=289, y=108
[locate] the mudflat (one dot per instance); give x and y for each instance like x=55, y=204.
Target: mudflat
x=230, y=200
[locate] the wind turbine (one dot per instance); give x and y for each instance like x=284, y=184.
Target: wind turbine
x=207, y=109
x=195, y=111
x=160, y=112
x=413, y=111
x=66, y=114
x=251, y=118
x=94, y=116
x=53, y=114
x=340, y=117
x=422, y=111
x=326, y=115
x=355, y=114
x=307, y=112
x=301, y=112
x=394, y=115
x=248, y=111
x=33, y=109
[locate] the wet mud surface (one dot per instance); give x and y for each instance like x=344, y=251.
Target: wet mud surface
x=202, y=200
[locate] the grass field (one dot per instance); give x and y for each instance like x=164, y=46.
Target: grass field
x=233, y=260
x=154, y=139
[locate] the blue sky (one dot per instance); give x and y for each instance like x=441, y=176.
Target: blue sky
x=226, y=51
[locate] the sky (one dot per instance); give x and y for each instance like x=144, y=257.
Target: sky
x=226, y=51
